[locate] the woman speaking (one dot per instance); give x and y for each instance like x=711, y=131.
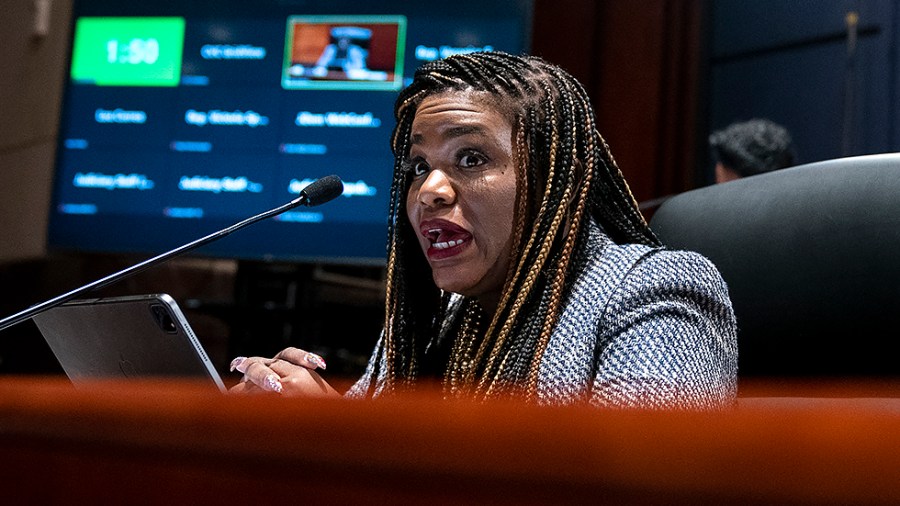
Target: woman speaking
x=518, y=262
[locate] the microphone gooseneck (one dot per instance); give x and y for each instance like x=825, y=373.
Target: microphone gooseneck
x=320, y=191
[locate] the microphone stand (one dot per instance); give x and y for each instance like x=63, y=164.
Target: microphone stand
x=303, y=199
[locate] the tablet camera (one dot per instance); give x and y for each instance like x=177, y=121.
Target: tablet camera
x=163, y=318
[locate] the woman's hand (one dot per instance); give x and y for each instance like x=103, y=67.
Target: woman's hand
x=291, y=372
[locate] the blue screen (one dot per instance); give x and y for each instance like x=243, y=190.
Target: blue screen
x=269, y=95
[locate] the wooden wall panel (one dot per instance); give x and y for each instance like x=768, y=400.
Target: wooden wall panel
x=640, y=64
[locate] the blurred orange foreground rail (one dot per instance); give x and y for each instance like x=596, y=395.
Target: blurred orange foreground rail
x=152, y=442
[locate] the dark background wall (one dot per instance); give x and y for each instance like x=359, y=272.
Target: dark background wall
x=825, y=69
x=661, y=73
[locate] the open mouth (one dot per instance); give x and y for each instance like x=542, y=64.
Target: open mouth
x=444, y=236
x=441, y=239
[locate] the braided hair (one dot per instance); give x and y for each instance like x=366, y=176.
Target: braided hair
x=564, y=171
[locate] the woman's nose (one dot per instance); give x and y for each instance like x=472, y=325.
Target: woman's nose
x=436, y=189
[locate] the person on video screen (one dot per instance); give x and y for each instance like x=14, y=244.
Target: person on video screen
x=346, y=53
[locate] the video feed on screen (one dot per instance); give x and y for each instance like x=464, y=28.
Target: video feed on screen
x=345, y=52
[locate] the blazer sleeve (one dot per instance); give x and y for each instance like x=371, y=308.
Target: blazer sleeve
x=668, y=337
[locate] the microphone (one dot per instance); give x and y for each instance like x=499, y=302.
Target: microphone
x=321, y=190
x=318, y=192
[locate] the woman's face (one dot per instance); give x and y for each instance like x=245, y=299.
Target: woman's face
x=462, y=198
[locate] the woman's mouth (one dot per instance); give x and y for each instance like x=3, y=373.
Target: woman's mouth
x=434, y=235
x=446, y=239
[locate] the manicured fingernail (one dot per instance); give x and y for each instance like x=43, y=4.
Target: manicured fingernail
x=273, y=383
x=236, y=363
x=315, y=360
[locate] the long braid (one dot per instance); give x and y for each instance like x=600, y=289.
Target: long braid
x=564, y=169
x=557, y=284
x=400, y=342
x=532, y=268
x=558, y=144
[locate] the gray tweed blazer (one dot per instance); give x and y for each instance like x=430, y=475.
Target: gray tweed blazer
x=640, y=327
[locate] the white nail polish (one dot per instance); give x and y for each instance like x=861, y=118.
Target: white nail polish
x=236, y=363
x=315, y=360
x=273, y=383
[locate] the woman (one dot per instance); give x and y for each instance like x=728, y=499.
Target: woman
x=539, y=278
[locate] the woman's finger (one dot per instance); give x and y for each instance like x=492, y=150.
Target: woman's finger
x=257, y=370
x=237, y=363
x=302, y=358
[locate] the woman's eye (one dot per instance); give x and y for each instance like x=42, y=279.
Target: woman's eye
x=467, y=160
x=418, y=168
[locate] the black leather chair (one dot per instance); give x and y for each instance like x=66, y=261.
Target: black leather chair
x=811, y=255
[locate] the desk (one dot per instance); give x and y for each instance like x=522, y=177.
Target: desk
x=153, y=442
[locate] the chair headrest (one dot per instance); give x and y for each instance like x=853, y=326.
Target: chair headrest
x=811, y=255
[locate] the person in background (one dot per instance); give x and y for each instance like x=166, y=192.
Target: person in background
x=345, y=52
x=519, y=264
x=752, y=147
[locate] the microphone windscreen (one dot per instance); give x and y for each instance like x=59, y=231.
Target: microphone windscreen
x=322, y=190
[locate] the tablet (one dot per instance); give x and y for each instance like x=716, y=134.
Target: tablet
x=133, y=337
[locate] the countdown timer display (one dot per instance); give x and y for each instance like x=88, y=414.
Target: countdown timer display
x=128, y=51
